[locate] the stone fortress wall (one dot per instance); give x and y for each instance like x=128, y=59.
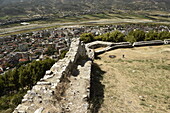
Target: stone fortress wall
x=111, y=46
x=66, y=86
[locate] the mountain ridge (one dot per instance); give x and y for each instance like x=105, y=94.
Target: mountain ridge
x=126, y=4
x=32, y=8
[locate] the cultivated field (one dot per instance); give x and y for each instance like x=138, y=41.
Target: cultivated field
x=91, y=19
x=137, y=83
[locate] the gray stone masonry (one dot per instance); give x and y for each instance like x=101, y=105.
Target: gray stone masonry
x=42, y=98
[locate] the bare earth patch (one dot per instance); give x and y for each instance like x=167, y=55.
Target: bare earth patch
x=137, y=83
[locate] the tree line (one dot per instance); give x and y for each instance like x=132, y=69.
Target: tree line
x=14, y=83
x=132, y=36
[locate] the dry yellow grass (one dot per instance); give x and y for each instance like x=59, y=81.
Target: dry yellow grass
x=138, y=83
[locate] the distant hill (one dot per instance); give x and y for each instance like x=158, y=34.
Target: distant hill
x=29, y=8
x=125, y=4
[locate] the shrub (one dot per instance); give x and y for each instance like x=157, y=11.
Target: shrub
x=63, y=54
x=86, y=37
x=130, y=38
x=151, y=35
x=117, y=36
x=164, y=35
x=138, y=35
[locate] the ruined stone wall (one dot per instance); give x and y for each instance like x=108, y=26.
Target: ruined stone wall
x=108, y=46
x=167, y=41
x=111, y=45
x=65, y=87
x=43, y=97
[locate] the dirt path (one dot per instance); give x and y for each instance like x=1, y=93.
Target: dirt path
x=75, y=99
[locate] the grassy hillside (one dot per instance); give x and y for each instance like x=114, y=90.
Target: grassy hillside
x=20, y=9
x=137, y=83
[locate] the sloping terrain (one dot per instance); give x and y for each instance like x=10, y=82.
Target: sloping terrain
x=137, y=83
x=47, y=7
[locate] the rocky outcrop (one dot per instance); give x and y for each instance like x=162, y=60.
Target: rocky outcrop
x=64, y=88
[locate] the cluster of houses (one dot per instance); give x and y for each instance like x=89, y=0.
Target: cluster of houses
x=144, y=27
x=35, y=45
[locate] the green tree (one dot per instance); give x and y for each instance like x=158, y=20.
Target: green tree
x=130, y=38
x=86, y=37
x=164, y=35
x=62, y=55
x=14, y=78
x=16, y=99
x=151, y=35
x=117, y=36
x=106, y=37
x=22, y=77
x=98, y=38
x=2, y=85
x=138, y=35
x=5, y=78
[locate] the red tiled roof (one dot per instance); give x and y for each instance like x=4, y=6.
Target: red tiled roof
x=23, y=60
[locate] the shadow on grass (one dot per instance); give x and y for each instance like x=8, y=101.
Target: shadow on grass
x=97, y=89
